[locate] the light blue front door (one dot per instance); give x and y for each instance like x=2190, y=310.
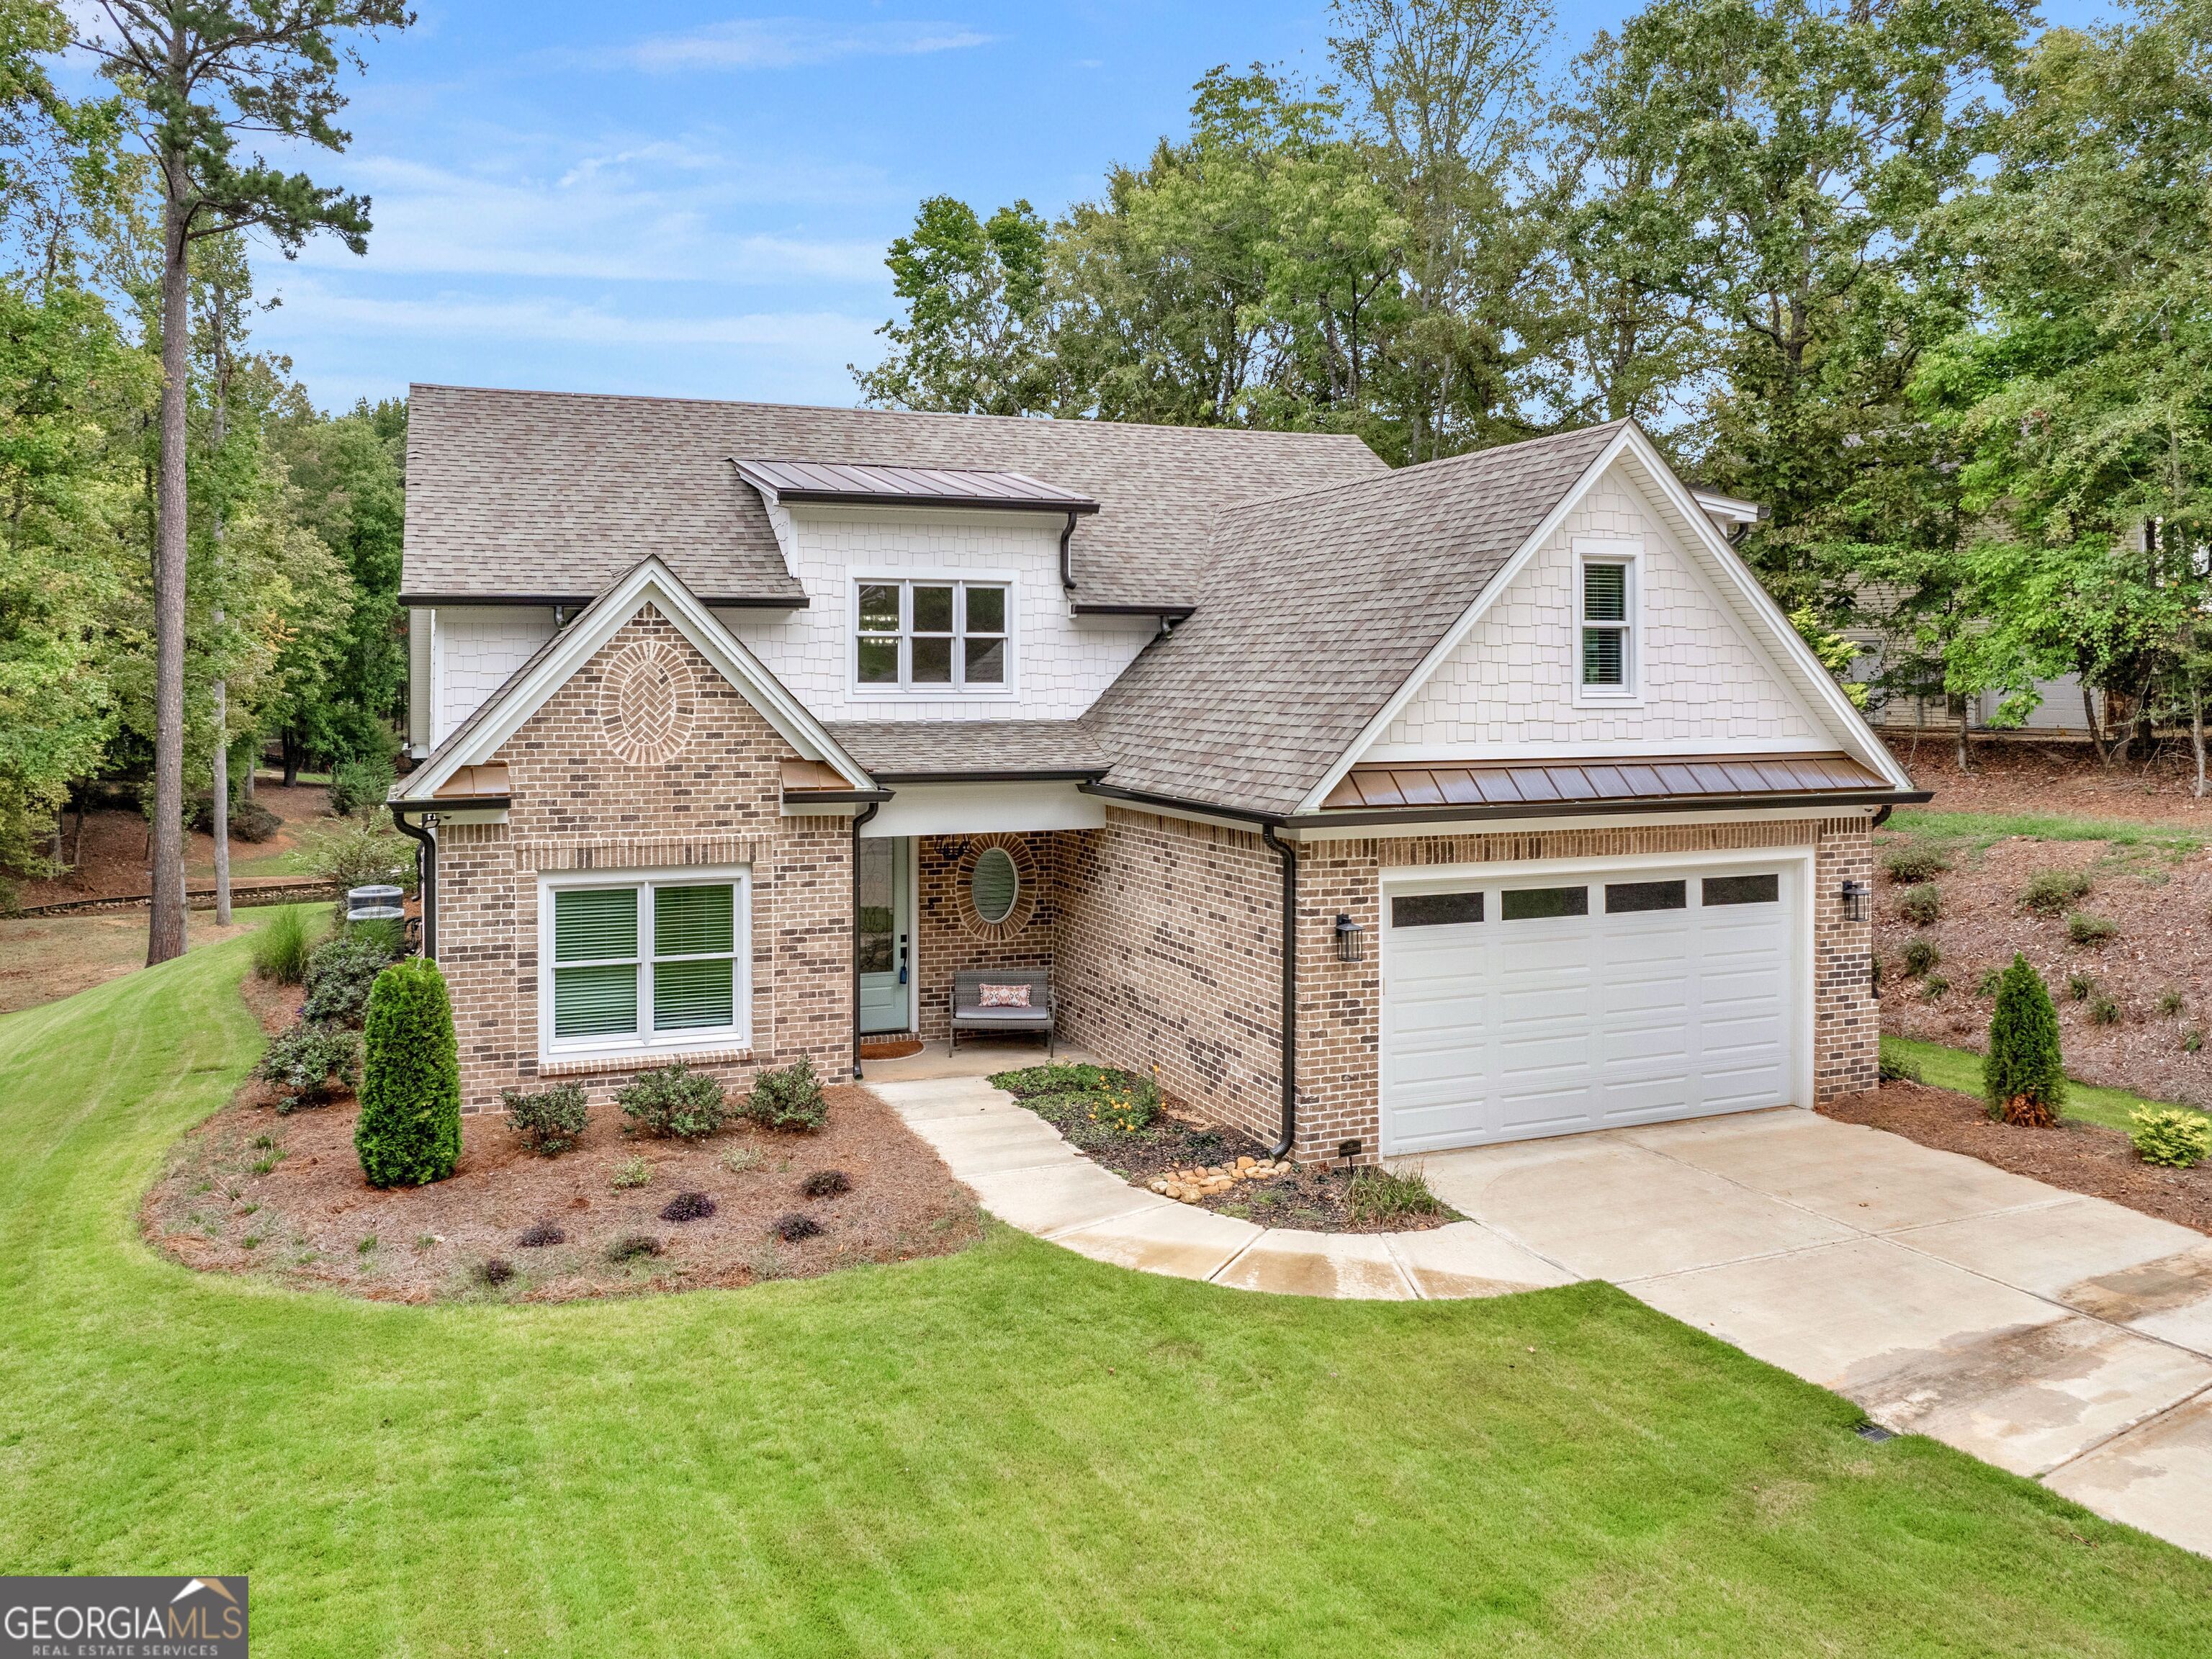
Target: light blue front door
x=886, y=932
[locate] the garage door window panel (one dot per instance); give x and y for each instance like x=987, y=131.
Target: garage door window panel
x=1435, y=909
x=1763, y=889
x=1543, y=903
x=1630, y=898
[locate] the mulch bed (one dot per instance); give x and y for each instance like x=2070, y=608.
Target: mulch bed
x=252, y=1191
x=1313, y=1200
x=2162, y=906
x=2081, y=1157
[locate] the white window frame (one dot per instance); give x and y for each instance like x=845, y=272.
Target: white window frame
x=905, y=687
x=1629, y=555
x=646, y=1042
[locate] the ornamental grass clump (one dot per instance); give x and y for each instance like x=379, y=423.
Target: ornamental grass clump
x=1377, y=1194
x=2171, y=1136
x=1921, y=905
x=409, y=1130
x=550, y=1121
x=674, y=1102
x=281, y=948
x=789, y=1097
x=1921, y=956
x=2024, y=1076
x=1915, y=861
x=2082, y=928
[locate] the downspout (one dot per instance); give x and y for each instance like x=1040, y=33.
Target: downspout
x=1067, y=564
x=859, y=818
x=426, y=873
x=1290, y=1062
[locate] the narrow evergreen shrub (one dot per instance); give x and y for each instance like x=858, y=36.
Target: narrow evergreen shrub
x=548, y=1123
x=2171, y=1136
x=674, y=1101
x=789, y=1097
x=2024, y=1077
x=1922, y=904
x=409, y=1131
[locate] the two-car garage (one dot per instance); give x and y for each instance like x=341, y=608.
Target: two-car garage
x=1521, y=1001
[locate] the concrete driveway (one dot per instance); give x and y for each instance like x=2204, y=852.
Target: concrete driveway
x=2055, y=1335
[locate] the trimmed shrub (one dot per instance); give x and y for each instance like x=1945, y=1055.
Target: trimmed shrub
x=794, y=1226
x=2082, y=928
x=789, y=1097
x=1915, y=861
x=674, y=1102
x=1897, y=1071
x=310, y=1063
x=2024, y=1076
x=360, y=783
x=2054, y=891
x=340, y=972
x=409, y=1131
x=1920, y=956
x=282, y=947
x=250, y=821
x=548, y=1123
x=2171, y=1136
x=826, y=1183
x=632, y=1171
x=689, y=1207
x=1921, y=905
x=1377, y=1194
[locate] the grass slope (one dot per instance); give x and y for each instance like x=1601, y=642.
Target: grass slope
x=1014, y=1451
x=1979, y=829
x=1961, y=1069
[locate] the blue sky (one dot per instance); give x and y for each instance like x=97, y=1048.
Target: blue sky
x=693, y=199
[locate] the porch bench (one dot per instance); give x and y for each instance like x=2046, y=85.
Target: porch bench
x=969, y=1015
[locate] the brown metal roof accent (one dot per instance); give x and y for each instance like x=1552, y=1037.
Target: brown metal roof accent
x=474, y=781
x=1412, y=786
x=911, y=486
x=806, y=777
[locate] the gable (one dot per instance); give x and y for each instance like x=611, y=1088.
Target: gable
x=1509, y=687
x=649, y=591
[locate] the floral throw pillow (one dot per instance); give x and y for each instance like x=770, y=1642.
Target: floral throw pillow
x=1003, y=996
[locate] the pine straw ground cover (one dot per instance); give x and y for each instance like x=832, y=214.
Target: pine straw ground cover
x=1084, y=1104
x=987, y=1452
x=282, y=1196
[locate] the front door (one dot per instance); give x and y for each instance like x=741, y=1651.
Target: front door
x=886, y=933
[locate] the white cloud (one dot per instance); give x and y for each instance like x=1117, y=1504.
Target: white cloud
x=747, y=43
x=652, y=212
x=313, y=308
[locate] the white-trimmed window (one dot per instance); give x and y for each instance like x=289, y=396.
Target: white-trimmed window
x=1605, y=616
x=931, y=636
x=644, y=962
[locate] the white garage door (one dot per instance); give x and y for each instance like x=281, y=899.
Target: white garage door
x=1550, y=1004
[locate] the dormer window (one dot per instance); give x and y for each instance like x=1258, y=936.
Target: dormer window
x=1605, y=602
x=925, y=635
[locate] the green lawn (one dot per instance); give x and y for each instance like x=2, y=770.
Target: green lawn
x=1961, y=1069
x=1013, y=1451
x=1978, y=830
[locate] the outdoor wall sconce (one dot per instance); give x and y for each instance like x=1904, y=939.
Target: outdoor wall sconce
x=1858, y=901
x=1350, y=940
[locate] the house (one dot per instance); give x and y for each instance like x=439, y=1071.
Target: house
x=743, y=728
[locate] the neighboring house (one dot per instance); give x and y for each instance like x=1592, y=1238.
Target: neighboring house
x=745, y=728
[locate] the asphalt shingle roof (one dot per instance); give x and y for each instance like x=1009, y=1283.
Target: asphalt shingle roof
x=923, y=749
x=552, y=495
x=1316, y=608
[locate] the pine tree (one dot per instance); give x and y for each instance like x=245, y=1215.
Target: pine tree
x=409, y=1131
x=2024, y=1077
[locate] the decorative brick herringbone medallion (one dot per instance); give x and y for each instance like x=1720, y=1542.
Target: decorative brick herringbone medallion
x=646, y=702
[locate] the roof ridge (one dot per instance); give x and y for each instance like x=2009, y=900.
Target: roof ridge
x=926, y=414
x=1398, y=472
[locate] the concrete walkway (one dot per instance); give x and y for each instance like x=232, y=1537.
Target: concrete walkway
x=2052, y=1335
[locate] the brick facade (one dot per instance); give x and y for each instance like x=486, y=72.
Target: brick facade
x=1168, y=940
x=949, y=937
x=579, y=803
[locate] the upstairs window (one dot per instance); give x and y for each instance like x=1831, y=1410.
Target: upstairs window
x=1608, y=646
x=931, y=636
